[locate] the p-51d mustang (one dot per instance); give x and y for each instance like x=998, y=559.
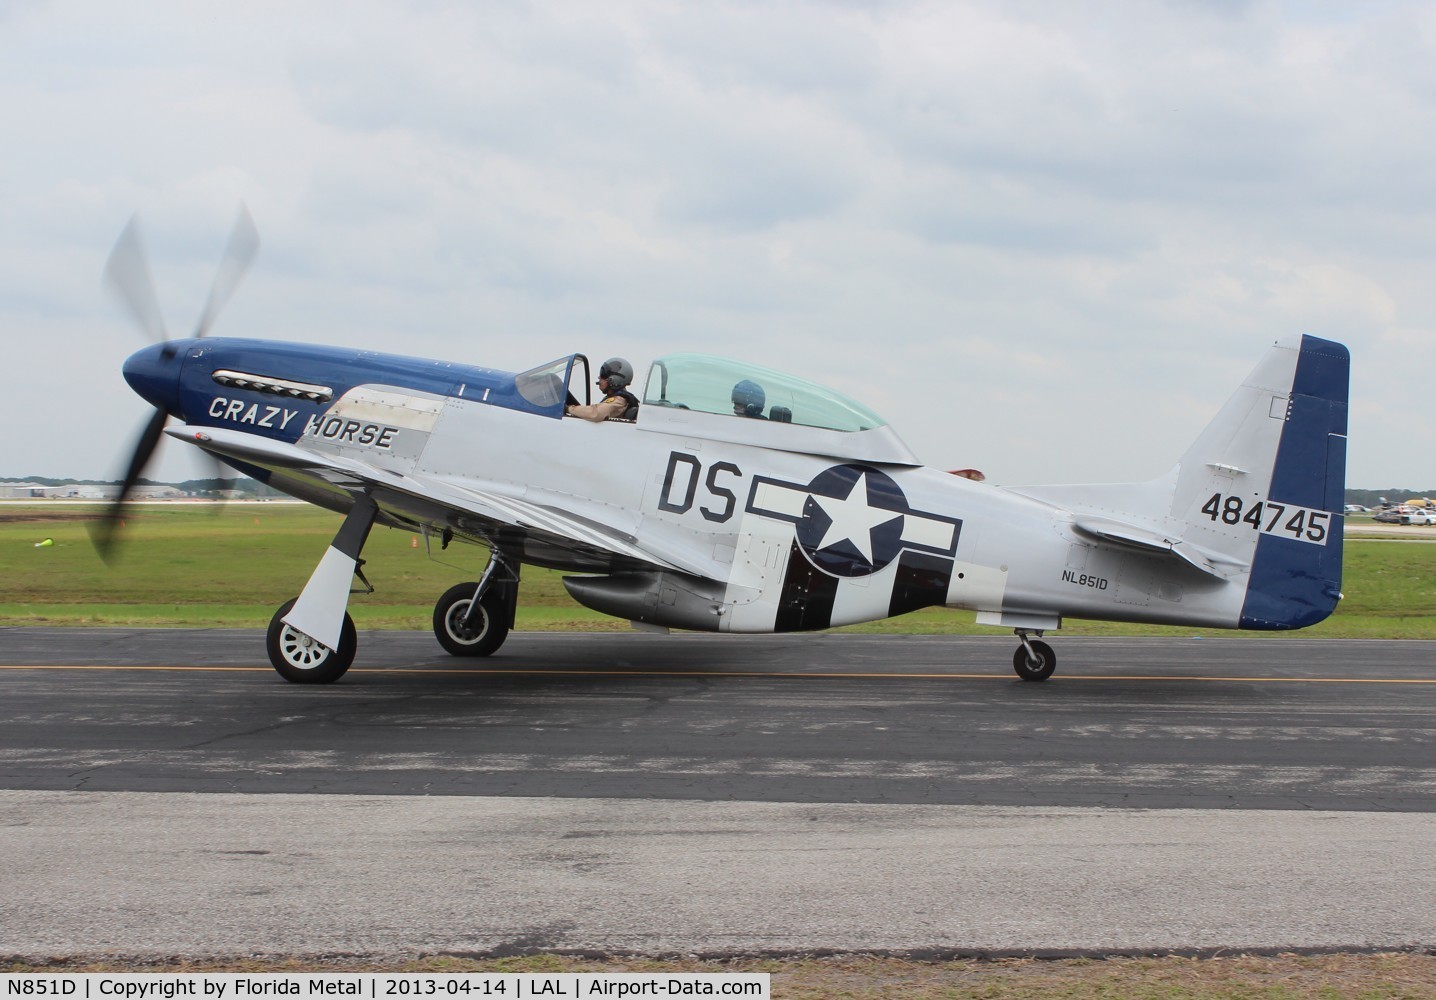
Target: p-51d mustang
x=695, y=516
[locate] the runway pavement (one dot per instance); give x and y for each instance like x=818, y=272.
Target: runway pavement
x=162, y=792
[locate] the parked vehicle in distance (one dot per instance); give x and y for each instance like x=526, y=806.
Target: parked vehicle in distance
x=1356, y=508
x=1406, y=515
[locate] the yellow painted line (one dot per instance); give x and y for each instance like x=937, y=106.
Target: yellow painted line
x=1253, y=680
x=112, y=666
x=998, y=676
x=539, y=672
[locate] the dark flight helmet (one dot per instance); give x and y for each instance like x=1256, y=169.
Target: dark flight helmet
x=749, y=398
x=618, y=372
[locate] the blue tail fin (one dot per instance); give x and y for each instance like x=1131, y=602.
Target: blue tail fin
x=1296, y=570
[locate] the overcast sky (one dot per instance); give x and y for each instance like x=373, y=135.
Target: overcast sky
x=1045, y=240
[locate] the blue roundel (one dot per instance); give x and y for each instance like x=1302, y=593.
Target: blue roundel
x=852, y=523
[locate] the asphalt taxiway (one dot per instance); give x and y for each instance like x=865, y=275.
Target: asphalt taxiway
x=163, y=792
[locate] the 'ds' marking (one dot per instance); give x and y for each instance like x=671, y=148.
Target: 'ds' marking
x=1270, y=518
x=690, y=477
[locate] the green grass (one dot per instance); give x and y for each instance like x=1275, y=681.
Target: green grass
x=192, y=565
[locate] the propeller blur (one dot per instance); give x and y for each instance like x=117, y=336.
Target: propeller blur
x=128, y=274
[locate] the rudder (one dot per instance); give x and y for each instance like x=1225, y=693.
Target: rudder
x=1295, y=577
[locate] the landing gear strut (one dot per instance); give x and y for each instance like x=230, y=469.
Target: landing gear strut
x=317, y=642
x=1034, y=659
x=473, y=619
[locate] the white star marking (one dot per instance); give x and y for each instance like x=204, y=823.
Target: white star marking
x=853, y=520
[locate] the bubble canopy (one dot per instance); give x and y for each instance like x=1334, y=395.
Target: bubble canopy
x=708, y=384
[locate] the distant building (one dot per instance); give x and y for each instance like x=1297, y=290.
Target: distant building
x=148, y=491
x=83, y=491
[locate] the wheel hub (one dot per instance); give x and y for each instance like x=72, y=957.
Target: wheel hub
x=302, y=650
x=457, y=627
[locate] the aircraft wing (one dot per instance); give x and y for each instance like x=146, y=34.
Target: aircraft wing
x=483, y=514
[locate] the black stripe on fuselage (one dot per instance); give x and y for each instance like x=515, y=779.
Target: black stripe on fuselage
x=922, y=581
x=807, y=597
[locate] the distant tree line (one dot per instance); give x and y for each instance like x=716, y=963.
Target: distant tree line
x=196, y=487
x=254, y=488
x=1396, y=494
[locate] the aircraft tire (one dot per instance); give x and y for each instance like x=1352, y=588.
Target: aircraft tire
x=492, y=628
x=301, y=660
x=1040, y=671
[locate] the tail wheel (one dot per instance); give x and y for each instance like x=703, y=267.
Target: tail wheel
x=301, y=660
x=480, y=636
x=1036, y=666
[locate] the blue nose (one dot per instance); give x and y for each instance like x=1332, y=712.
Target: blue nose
x=154, y=373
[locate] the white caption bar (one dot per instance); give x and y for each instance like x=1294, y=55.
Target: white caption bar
x=379, y=986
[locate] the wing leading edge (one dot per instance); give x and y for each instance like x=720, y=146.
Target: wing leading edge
x=480, y=514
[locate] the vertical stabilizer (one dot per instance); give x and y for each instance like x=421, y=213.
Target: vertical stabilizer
x=1264, y=483
x=1256, y=500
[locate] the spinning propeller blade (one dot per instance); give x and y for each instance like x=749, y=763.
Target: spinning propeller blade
x=105, y=533
x=239, y=253
x=128, y=274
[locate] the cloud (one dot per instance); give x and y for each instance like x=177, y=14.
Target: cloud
x=1042, y=239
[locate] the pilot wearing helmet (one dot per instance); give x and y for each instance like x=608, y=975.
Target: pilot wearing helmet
x=613, y=381
x=748, y=399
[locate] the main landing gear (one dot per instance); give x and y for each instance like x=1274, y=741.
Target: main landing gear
x=1034, y=659
x=311, y=639
x=473, y=619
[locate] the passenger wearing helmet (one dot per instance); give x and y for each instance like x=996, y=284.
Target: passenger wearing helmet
x=613, y=381
x=748, y=399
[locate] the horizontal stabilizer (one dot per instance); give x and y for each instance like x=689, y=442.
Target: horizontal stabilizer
x=1133, y=536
